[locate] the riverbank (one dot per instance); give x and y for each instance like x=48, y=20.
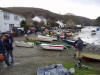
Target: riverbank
x=28, y=60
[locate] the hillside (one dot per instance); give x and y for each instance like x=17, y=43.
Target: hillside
x=31, y=12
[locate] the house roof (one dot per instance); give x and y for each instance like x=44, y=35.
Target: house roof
x=6, y=10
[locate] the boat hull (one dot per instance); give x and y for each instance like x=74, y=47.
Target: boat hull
x=52, y=47
x=24, y=44
x=90, y=59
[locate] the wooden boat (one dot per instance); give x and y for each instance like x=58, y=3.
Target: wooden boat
x=91, y=57
x=24, y=44
x=52, y=46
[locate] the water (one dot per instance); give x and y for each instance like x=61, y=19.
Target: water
x=86, y=36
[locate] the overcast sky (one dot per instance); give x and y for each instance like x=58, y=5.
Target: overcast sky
x=86, y=8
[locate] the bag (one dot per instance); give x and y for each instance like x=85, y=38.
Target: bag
x=2, y=57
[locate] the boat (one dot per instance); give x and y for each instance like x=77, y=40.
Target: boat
x=91, y=57
x=93, y=32
x=24, y=44
x=52, y=46
x=71, y=42
x=44, y=38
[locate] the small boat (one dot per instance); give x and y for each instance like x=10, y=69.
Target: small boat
x=24, y=44
x=71, y=42
x=44, y=38
x=52, y=46
x=93, y=32
x=91, y=57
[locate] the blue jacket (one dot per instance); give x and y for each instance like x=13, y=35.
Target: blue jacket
x=8, y=43
x=2, y=47
x=78, y=44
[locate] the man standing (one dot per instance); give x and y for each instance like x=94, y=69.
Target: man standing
x=10, y=48
x=3, y=49
x=78, y=44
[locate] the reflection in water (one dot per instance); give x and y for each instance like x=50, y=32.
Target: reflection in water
x=86, y=36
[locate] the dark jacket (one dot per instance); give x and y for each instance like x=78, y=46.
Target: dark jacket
x=2, y=47
x=78, y=44
x=8, y=43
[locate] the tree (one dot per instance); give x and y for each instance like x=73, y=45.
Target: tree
x=96, y=22
x=23, y=24
x=70, y=24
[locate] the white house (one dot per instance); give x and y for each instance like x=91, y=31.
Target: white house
x=79, y=26
x=39, y=19
x=61, y=24
x=9, y=20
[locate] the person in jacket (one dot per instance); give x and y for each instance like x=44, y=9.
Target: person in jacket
x=3, y=49
x=78, y=44
x=9, y=47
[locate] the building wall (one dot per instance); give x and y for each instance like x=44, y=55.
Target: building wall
x=1, y=21
x=10, y=20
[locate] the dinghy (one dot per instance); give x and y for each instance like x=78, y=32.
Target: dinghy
x=93, y=32
x=44, y=38
x=47, y=37
x=52, y=46
x=24, y=44
x=90, y=57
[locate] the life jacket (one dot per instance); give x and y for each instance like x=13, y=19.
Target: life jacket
x=2, y=57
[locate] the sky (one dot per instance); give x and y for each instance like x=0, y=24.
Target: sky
x=85, y=8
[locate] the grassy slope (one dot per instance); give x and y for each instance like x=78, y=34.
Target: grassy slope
x=81, y=71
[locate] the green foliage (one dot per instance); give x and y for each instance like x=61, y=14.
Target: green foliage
x=97, y=21
x=80, y=71
x=23, y=24
x=31, y=40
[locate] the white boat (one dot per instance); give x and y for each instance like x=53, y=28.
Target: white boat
x=46, y=38
x=52, y=46
x=24, y=44
x=93, y=32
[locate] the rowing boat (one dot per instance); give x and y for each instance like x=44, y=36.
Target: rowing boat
x=24, y=44
x=90, y=57
x=52, y=46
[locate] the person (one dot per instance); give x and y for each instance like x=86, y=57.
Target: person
x=9, y=48
x=78, y=44
x=65, y=35
x=51, y=33
x=58, y=36
x=3, y=49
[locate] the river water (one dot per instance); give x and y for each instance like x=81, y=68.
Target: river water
x=86, y=36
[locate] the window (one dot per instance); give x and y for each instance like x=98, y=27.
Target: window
x=16, y=18
x=11, y=26
x=6, y=16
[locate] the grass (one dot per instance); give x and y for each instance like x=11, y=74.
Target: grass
x=82, y=71
x=30, y=40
